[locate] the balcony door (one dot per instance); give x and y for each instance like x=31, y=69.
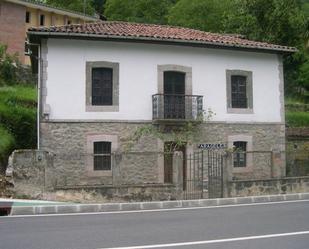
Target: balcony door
x=174, y=95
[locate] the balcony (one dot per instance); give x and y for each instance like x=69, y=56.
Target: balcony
x=176, y=107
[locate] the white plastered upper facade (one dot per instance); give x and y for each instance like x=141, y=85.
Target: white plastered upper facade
x=138, y=79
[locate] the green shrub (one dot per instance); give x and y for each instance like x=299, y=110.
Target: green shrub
x=18, y=114
x=7, y=142
x=18, y=95
x=18, y=119
x=297, y=119
x=8, y=67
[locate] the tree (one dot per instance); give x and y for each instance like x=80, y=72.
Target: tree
x=75, y=5
x=304, y=74
x=99, y=6
x=205, y=15
x=276, y=21
x=143, y=11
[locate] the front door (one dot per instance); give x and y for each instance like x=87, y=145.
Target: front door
x=174, y=95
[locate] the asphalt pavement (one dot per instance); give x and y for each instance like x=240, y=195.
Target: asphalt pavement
x=281, y=225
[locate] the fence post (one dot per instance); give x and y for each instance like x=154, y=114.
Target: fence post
x=226, y=173
x=178, y=173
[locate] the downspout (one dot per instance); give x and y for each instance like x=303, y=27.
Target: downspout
x=39, y=96
x=38, y=91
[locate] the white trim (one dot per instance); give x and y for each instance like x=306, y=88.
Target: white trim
x=215, y=241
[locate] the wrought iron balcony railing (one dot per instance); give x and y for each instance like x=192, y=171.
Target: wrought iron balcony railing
x=176, y=107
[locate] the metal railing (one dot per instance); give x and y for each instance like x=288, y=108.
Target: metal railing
x=176, y=107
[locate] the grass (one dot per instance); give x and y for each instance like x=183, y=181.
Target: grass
x=6, y=140
x=297, y=114
x=18, y=95
x=297, y=119
x=17, y=117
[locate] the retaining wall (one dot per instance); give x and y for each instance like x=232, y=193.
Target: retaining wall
x=286, y=185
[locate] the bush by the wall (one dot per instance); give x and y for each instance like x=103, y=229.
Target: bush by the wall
x=7, y=142
x=8, y=67
x=17, y=119
x=18, y=114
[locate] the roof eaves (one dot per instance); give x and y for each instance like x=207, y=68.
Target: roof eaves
x=170, y=40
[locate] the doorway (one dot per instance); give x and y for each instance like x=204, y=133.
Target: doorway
x=174, y=95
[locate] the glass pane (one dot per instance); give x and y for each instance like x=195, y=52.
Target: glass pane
x=240, y=156
x=102, y=162
x=102, y=86
x=102, y=147
x=239, y=91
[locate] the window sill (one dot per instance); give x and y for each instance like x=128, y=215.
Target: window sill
x=242, y=169
x=110, y=108
x=99, y=173
x=240, y=110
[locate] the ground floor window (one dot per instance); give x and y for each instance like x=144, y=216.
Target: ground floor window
x=102, y=155
x=240, y=156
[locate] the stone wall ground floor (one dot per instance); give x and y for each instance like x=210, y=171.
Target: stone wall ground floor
x=145, y=171
x=142, y=163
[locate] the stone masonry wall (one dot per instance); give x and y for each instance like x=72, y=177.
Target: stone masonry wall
x=67, y=140
x=265, y=138
x=12, y=28
x=28, y=171
x=286, y=185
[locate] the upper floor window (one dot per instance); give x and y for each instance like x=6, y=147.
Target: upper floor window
x=28, y=16
x=239, y=91
x=102, y=86
x=239, y=156
x=42, y=20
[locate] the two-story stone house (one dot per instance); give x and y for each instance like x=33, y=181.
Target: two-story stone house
x=100, y=82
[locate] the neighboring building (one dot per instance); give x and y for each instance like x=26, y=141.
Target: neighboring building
x=102, y=81
x=16, y=16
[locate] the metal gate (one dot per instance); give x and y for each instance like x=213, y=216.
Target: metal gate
x=203, y=175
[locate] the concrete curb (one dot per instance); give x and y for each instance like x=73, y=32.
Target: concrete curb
x=155, y=205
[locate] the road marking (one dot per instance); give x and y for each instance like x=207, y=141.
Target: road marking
x=153, y=210
x=204, y=242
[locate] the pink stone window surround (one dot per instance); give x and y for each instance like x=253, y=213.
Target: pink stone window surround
x=90, y=140
x=249, y=148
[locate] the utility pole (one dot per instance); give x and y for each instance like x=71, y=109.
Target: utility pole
x=84, y=11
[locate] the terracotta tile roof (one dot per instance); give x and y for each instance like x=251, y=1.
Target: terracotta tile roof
x=138, y=31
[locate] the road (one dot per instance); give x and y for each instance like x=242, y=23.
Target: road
x=283, y=225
